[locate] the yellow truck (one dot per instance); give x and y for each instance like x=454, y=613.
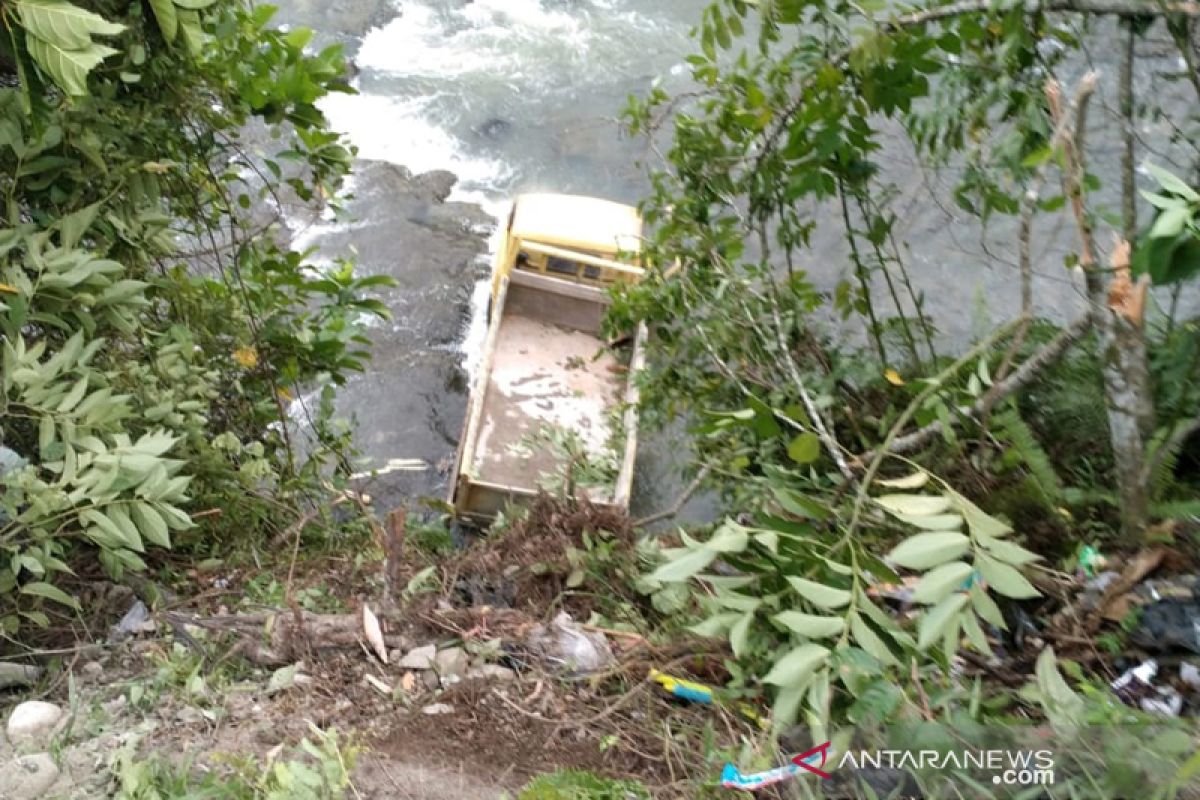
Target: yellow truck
x=553, y=404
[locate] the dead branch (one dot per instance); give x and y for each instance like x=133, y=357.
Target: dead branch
x=1021, y=376
x=680, y=501
x=280, y=637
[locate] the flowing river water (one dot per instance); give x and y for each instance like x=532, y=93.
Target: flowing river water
x=464, y=103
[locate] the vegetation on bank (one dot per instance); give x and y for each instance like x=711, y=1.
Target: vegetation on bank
x=156, y=326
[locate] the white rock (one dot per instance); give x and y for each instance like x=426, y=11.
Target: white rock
x=451, y=662
x=491, y=672
x=28, y=777
x=438, y=708
x=420, y=658
x=32, y=722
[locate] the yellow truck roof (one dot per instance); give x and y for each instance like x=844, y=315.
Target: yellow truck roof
x=579, y=223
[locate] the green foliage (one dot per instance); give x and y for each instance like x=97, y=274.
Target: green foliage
x=1024, y=449
x=317, y=769
x=1169, y=250
x=799, y=599
x=574, y=784
x=153, y=330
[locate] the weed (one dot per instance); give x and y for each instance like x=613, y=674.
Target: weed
x=317, y=769
x=572, y=784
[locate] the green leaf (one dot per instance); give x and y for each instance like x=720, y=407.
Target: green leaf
x=45, y=432
x=150, y=522
x=72, y=398
x=937, y=522
x=72, y=226
x=939, y=583
x=1005, y=579
x=50, y=592
x=1010, y=553
x=168, y=21
x=917, y=505
x=684, y=567
x=1171, y=182
x=739, y=634
x=810, y=625
x=129, y=531
x=194, y=5
x=63, y=25
x=113, y=531
x=935, y=622
x=819, y=594
x=798, y=505
x=927, y=550
x=797, y=666
x=715, y=625
x=976, y=635
x=869, y=640
x=1063, y=707
x=805, y=448
x=189, y=27
x=1170, y=222
x=979, y=521
x=913, y=481
x=68, y=68
x=986, y=607
x=729, y=538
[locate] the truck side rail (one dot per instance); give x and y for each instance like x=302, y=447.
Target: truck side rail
x=466, y=451
x=610, y=271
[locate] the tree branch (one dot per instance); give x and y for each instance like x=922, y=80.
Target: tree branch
x=675, y=507
x=1021, y=376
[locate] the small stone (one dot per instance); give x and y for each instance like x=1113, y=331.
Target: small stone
x=453, y=661
x=420, y=658
x=28, y=777
x=408, y=682
x=32, y=722
x=395, y=656
x=430, y=680
x=92, y=669
x=491, y=672
x=438, y=708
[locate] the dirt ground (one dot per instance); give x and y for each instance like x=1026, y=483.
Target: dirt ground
x=185, y=682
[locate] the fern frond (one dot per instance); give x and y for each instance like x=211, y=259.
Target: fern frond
x=1011, y=429
x=1176, y=509
x=1162, y=479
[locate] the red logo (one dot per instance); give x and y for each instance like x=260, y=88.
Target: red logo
x=803, y=759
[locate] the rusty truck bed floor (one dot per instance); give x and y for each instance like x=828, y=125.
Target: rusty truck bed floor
x=543, y=377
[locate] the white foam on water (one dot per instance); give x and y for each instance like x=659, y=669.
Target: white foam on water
x=485, y=37
x=398, y=131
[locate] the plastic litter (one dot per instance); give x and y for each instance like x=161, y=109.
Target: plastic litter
x=733, y=778
x=565, y=644
x=1090, y=561
x=682, y=688
x=1190, y=674
x=136, y=620
x=1136, y=688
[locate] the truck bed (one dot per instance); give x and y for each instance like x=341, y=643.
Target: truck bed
x=544, y=376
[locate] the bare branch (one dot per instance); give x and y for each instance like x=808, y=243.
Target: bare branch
x=1021, y=376
x=680, y=501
